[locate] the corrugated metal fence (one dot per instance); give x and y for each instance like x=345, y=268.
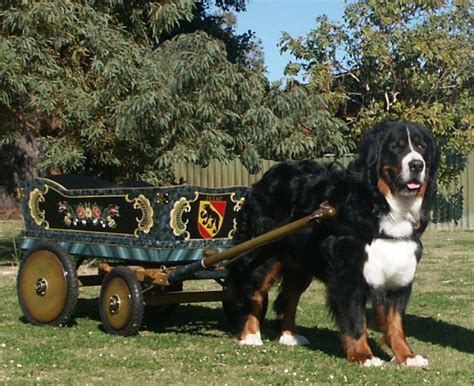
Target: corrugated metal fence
x=466, y=181
x=234, y=174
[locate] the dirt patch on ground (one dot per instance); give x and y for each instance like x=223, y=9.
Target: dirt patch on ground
x=8, y=271
x=10, y=214
x=9, y=206
x=13, y=270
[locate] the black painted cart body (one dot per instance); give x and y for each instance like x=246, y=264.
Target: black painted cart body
x=149, y=240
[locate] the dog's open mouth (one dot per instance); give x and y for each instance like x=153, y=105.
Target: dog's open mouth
x=412, y=187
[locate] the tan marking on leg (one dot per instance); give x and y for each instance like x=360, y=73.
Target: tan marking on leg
x=357, y=350
x=252, y=324
x=395, y=336
x=379, y=317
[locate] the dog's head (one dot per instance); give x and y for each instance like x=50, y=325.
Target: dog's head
x=401, y=159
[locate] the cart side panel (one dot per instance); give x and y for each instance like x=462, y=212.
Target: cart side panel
x=106, y=220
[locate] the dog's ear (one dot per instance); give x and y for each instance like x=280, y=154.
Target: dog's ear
x=367, y=164
x=369, y=147
x=434, y=158
x=433, y=165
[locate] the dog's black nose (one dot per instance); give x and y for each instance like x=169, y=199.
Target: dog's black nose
x=416, y=166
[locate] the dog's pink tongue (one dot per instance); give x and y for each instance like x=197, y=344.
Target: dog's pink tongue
x=413, y=185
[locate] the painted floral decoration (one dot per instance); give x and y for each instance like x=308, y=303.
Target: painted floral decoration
x=87, y=213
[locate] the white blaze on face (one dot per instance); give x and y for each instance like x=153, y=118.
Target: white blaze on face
x=411, y=156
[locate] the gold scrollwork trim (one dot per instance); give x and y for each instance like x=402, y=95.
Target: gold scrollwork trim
x=237, y=207
x=238, y=203
x=176, y=217
x=145, y=222
x=38, y=215
x=232, y=231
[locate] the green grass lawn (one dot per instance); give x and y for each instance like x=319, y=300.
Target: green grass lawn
x=195, y=345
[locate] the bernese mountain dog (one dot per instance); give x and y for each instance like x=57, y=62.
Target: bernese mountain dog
x=369, y=251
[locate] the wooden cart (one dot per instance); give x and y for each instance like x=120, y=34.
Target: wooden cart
x=149, y=241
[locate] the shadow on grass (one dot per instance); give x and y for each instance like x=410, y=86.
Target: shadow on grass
x=425, y=329
x=440, y=333
x=201, y=320
x=191, y=319
x=88, y=309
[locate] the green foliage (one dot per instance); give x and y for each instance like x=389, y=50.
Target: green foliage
x=449, y=207
x=401, y=59
x=153, y=22
x=110, y=88
x=202, y=107
x=305, y=127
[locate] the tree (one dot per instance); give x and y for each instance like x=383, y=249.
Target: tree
x=154, y=22
x=402, y=59
x=104, y=93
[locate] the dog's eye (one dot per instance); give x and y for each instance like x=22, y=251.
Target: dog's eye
x=399, y=145
x=418, y=144
x=420, y=147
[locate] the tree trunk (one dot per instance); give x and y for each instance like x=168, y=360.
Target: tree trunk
x=18, y=161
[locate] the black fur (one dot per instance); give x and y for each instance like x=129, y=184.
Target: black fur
x=334, y=251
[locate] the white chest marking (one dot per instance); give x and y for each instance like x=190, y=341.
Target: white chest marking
x=404, y=214
x=390, y=263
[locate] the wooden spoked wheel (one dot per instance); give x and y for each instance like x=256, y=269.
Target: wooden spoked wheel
x=121, y=302
x=47, y=285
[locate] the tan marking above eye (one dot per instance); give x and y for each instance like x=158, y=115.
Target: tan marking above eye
x=416, y=140
x=402, y=142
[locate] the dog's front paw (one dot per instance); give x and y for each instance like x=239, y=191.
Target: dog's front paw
x=293, y=340
x=373, y=362
x=416, y=361
x=251, y=340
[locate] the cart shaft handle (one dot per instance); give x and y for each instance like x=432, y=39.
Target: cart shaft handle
x=324, y=212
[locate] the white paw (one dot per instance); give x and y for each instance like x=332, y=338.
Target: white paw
x=417, y=361
x=293, y=340
x=373, y=362
x=252, y=340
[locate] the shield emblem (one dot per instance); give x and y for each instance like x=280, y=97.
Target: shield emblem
x=211, y=217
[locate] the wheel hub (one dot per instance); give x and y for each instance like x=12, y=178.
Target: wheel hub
x=41, y=286
x=114, y=304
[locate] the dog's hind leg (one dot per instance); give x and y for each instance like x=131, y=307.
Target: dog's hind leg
x=286, y=304
x=251, y=332
x=389, y=311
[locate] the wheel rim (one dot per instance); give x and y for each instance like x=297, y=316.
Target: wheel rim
x=117, y=303
x=43, y=286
